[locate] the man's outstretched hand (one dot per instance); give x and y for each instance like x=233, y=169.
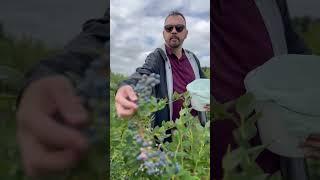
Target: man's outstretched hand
x=49, y=117
x=125, y=101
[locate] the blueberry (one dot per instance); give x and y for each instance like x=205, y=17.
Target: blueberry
x=145, y=144
x=177, y=168
x=139, y=140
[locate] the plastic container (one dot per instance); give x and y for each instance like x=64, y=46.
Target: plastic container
x=199, y=90
x=287, y=94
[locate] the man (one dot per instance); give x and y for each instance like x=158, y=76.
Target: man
x=246, y=34
x=176, y=66
x=48, y=145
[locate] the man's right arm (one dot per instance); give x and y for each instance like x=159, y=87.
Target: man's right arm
x=125, y=99
x=147, y=68
x=48, y=98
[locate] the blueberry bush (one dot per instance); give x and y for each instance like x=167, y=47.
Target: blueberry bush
x=141, y=151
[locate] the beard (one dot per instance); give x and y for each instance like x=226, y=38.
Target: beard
x=174, y=42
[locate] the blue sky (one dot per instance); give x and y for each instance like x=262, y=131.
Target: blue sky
x=136, y=30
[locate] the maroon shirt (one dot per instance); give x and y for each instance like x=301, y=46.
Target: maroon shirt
x=240, y=43
x=182, y=75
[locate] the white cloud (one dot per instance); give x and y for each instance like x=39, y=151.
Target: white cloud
x=199, y=6
x=125, y=8
x=136, y=30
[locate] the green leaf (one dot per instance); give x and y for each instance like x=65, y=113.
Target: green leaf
x=219, y=112
x=250, y=132
x=255, y=151
x=260, y=177
x=254, y=118
x=184, y=112
x=181, y=154
x=251, y=168
x=232, y=159
x=240, y=140
x=168, y=124
x=186, y=175
x=180, y=124
x=176, y=96
x=275, y=176
x=245, y=176
x=245, y=105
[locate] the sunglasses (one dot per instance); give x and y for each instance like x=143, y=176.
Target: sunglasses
x=179, y=28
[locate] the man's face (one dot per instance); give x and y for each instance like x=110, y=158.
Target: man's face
x=175, y=32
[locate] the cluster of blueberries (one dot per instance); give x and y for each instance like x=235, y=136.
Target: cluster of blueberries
x=154, y=161
x=144, y=86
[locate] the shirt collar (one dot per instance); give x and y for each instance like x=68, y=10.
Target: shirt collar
x=170, y=51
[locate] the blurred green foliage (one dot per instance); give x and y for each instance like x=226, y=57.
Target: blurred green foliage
x=308, y=28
